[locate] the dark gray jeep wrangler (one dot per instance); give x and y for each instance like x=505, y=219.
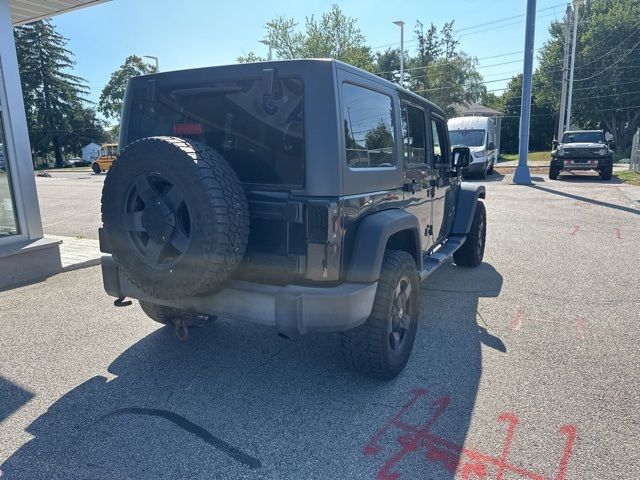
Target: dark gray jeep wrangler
x=308, y=195
x=582, y=150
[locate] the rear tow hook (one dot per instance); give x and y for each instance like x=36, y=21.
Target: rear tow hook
x=121, y=302
x=181, y=328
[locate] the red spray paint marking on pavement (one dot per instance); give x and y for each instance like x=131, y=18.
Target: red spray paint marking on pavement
x=618, y=234
x=469, y=463
x=575, y=229
x=516, y=323
x=580, y=327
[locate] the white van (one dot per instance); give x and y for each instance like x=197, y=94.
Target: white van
x=479, y=134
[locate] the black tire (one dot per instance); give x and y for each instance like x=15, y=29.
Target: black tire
x=483, y=173
x=472, y=251
x=606, y=172
x=553, y=172
x=175, y=217
x=490, y=171
x=96, y=168
x=166, y=315
x=368, y=348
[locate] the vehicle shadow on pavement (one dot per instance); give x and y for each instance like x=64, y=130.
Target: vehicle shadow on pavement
x=587, y=178
x=615, y=206
x=236, y=401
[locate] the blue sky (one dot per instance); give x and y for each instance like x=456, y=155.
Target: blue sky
x=196, y=33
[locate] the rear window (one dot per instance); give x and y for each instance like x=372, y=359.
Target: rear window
x=259, y=134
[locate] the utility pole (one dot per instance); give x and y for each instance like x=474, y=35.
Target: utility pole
x=576, y=5
x=400, y=23
x=523, y=175
x=565, y=73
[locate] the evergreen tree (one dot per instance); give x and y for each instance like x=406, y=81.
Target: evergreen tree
x=54, y=97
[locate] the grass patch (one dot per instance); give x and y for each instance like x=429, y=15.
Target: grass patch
x=632, y=178
x=532, y=157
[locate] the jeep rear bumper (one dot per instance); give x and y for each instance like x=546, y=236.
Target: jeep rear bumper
x=292, y=309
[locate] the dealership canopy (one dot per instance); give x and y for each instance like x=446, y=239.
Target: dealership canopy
x=25, y=11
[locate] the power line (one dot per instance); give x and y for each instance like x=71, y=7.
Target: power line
x=588, y=111
x=473, y=26
x=611, y=65
x=617, y=45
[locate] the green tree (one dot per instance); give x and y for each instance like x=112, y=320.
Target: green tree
x=606, y=85
x=54, y=98
x=110, y=104
x=428, y=50
x=333, y=35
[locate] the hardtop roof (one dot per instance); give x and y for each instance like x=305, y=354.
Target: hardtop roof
x=305, y=62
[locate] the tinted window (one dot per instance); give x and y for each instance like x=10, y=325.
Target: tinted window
x=368, y=127
x=439, y=142
x=467, y=138
x=583, y=137
x=413, y=134
x=260, y=135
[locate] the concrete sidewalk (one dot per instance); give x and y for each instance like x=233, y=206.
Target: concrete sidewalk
x=77, y=252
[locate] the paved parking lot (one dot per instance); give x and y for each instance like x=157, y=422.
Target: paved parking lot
x=70, y=203
x=526, y=367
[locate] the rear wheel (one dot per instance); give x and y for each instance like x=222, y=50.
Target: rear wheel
x=381, y=346
x=553, y=172
x=167, y=315
x=472, y=251
x=96, y=168
x=606, y=172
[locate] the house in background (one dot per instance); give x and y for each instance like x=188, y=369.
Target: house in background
x=90, y=152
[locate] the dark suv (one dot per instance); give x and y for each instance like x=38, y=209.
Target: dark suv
x=582, y=150
x=308, y=195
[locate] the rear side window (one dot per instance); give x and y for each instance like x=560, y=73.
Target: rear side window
x=368, y=127
x=260, y=134
x=413, y=134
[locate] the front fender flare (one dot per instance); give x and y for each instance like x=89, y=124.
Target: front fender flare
x=468, y=195
x=373, y=233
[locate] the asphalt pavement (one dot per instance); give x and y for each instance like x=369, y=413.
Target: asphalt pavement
x=525, y=367
x=70, y=202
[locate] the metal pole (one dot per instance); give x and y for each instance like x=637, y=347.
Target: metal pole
x=576, y=5
x=522, y=175
x=155, y=59
x=565, y=71
x=400, y=23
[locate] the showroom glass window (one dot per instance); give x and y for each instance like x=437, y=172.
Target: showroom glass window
x=368, y=127
x=8, y=222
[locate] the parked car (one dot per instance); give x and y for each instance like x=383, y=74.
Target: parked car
x=78, y=162
x=479, y=134
x=582, y=150
x=308, y=195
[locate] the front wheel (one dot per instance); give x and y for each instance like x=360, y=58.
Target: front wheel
x=96, y=168
x=553, y=172
x=381, y=346
x=606, y=172
x=472, y=251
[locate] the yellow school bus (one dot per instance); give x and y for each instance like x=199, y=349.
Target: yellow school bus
x=108, y=153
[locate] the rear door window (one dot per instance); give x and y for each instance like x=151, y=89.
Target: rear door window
x=260, y=133
x=368, y=127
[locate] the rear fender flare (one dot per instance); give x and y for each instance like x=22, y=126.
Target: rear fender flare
x=373, y=235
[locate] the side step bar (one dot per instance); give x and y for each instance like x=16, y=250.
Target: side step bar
x=444, y=253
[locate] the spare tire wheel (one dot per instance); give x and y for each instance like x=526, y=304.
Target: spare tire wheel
x=175, y=216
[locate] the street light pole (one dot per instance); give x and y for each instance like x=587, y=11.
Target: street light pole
x=576, y=5
x=268, y=44
x=522, y=175
x=400, y=23
x=565, y=73
x=156, y=60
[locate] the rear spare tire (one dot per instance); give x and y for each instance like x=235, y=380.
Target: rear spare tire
x=174, y=216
